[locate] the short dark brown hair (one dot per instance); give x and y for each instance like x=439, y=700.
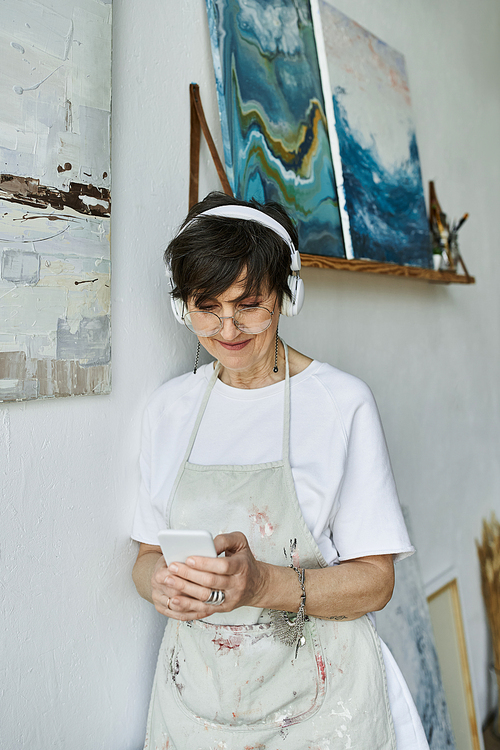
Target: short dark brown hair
x=211, y=254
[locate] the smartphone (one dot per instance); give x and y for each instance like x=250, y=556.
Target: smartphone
x=179, y=544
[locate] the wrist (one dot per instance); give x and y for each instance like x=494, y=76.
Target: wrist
x=143, y=572
x=290, y=630
x=264, y=584
x=281, y=590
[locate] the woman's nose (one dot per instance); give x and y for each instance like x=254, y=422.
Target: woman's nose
x=229, y=330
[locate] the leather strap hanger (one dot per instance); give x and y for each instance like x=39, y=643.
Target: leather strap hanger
x=199, y=123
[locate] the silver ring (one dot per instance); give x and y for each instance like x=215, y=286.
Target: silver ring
x=216, y=598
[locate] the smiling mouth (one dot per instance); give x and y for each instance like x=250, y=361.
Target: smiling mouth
x=233, y=347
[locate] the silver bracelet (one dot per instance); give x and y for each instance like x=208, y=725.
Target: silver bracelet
x=287, y=630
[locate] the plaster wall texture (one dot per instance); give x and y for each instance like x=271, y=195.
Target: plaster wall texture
x=79, y=644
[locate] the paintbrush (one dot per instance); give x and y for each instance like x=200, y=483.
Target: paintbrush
x=462, y=221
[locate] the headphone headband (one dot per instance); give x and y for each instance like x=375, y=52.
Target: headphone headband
x=289, y=307
x=252, y=214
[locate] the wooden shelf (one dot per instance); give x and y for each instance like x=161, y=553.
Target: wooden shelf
x=389, y=269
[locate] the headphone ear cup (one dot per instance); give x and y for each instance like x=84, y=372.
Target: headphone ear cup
x=178, y=308
x=292, y=307
x=177, y=305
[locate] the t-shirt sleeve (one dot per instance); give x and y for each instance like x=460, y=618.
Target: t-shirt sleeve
x=148, y=519
x=368, y=520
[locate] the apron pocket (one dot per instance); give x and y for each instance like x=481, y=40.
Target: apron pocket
x=240, y=675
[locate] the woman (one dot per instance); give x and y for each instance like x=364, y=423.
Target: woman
x=283, y=459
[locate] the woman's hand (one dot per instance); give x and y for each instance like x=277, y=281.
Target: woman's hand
x=339, y=592
x=186, y=587
x=160, y=591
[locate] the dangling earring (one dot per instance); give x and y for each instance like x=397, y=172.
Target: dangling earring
x=275, y=368
x=196, y=358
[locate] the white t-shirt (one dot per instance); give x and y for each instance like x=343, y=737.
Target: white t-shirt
x=339, y=461
x=338, y=455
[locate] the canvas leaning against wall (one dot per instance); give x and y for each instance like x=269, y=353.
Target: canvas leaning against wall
x=372, y=127
x=273, y=115
x=405, y=626
x=55, y=94
x=316, y=114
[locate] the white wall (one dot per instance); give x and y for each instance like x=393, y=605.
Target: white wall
x=80, y=644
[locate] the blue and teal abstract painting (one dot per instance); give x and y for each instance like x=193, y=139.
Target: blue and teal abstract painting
x=378, y=149
x=272, y=113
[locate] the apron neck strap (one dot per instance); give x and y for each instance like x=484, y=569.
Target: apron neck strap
x=201, y=410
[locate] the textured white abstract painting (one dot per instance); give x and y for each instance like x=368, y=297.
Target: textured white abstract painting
x=55, y=104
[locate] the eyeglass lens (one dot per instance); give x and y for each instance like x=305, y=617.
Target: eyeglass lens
x=248, y=320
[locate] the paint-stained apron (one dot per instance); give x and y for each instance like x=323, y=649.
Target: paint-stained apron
x=226, y=682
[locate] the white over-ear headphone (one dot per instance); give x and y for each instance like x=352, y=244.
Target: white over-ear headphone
x=289, y=307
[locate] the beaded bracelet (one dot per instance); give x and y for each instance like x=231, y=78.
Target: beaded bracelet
x=291, y=631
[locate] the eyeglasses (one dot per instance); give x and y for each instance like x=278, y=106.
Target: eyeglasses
x=248, y=320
